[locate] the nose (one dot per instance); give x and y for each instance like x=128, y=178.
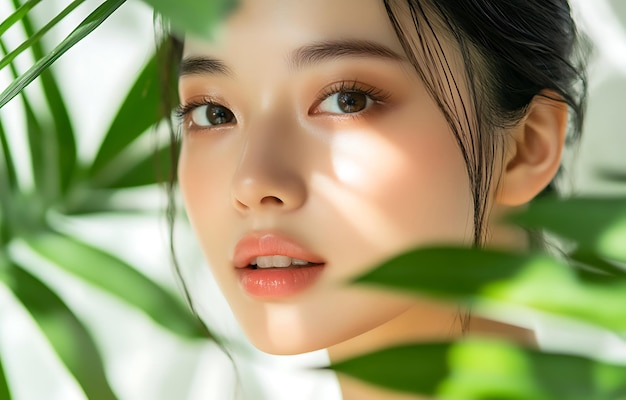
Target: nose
x=270, y=173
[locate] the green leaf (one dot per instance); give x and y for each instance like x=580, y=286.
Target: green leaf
x=63, y=131
x=596, y=224
x=139, y=111
x=5, y=393
x=415, y=368
x=67, y=335
x=36, y=36
x=530, y=280
x=114, y=276
x=17, y=15
x=196, y=17
x=481, y=369
x=447, y=271
x=87, y=26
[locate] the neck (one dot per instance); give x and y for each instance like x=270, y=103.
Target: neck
x=428, y=321
x=425, y=321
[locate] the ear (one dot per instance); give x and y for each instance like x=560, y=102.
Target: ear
x=533, y=152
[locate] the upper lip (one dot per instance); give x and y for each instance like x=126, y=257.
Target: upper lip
x=258, y=244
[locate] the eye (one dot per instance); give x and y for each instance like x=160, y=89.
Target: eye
x=345, y=102
x=210, y=115
x=347, y=97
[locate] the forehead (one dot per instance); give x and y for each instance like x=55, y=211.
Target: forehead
x=266, y=28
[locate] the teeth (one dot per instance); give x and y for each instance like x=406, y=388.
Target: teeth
x=277, y=262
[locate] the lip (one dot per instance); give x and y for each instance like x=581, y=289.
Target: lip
x=270, y=244
x=274, y=282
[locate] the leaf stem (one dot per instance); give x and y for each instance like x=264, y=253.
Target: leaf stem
x=37, y=36
x=17, y=15
x=97, y=17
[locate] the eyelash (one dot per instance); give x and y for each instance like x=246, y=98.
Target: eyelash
x=183, y=110
x=377, y=95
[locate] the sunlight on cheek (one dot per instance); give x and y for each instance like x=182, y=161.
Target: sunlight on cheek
x=377, y=184
x=362, y=159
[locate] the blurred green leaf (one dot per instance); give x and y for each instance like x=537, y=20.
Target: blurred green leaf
x=591, y=260
x=486, y=369
x=529, y=280
x=8, y=184
x=489, y=369
x=195, y=17
x=41, y=148
x=154, y=168
x=139, y=111
x=42, y=155
x=9, y=166
x=65, y=332
x=63, y=131
x=415, y=368
x=612, y=175
x=596, y=224
x=19, y=13
x=87, y=26
x=5, y=393
x=96, y=201
x=5, y=268
x=114, y=276
x=36, y=36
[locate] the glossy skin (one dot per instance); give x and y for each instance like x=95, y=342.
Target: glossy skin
x=352, y=188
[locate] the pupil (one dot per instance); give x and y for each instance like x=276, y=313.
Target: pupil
x=351, y=102
x=218, y=115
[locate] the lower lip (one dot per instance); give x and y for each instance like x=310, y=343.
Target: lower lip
x=278, y=282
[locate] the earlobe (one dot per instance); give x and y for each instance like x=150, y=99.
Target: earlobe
x=534, y=151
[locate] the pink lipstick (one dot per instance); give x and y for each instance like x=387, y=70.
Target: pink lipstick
x=272, y=266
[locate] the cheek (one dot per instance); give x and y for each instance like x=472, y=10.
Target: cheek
x=204, y=180
x=196, y=177
x=433, y=188
x=403, y=182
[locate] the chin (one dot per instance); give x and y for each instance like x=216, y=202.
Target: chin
x=285, y=347
x=291, y=340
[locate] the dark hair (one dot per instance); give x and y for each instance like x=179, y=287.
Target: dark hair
x=512, y=51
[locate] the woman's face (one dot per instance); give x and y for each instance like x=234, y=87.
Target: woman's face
x=310, y=143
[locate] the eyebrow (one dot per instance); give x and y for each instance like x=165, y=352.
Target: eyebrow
x=304, y=56
x=201, y=65
x=332, y=50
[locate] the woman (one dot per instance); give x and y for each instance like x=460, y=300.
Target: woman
x=321, y=137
